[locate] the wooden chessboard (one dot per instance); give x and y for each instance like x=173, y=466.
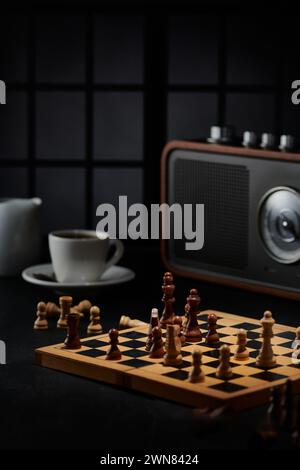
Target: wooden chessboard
x=249, y=385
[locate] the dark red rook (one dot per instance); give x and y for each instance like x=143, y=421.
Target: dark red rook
x=72, y=340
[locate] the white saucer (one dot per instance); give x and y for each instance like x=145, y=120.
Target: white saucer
x=42, y=275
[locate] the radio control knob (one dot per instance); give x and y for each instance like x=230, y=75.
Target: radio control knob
x=221, y=135
x=227, y=134
x=249, y=139
x=215, y=134
x=287, y=143
x=268, y=141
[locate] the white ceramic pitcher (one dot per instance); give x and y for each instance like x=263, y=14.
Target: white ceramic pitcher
x=19, y=234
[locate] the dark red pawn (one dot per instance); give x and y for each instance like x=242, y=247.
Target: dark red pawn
x=113, y=353
x=212, y=334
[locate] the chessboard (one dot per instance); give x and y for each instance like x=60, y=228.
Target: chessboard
x=248, y=386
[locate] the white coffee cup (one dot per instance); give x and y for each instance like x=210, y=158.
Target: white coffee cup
x=81, y=255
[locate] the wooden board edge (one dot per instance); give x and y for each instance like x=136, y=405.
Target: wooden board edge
x=199, y=398
x=82, y=369
x=173, y=393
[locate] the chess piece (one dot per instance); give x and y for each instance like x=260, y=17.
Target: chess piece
x=65, y=303
x=72, y=340
x=224, y=370
x=94, y=326
x=127, y=322
x=266, y=358
x=186, y=316
x=178, y=321
x=173, y=355
x=192, y=331
x=83, y=307
x=212, y=334
x=157, y=349
x=74, y=310
x=52, y=310
x=168, y=288
x=113, y=353
x=241, y=352
x=154, y=321
x=41, y=322
x=196, y=375
x=296, y=348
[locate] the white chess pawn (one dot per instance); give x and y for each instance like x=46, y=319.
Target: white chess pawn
x=196, y=375
x=41, y=323
x=296, y=348
x=224, y=370
x=94, y=326
x=241, y=352
x=127, y=322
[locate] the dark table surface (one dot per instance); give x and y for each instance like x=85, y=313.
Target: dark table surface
x=45, y=409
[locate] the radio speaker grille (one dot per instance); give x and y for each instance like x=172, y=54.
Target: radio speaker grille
x=224, y=191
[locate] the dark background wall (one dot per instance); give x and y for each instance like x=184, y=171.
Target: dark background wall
x=93, y=95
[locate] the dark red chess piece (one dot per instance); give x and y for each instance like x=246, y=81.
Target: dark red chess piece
x=212, y=334
x=191, y=330
x=168, y=298
x=72, y=340
x=178, y=321
x=157, y=349
x=113, y=353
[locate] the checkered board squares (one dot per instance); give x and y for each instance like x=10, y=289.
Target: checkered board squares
x=249, y=385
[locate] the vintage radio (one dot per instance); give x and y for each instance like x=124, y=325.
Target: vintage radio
x=251, y=203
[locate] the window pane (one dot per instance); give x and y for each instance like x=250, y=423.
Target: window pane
x=60, y=48
x=13, y=47
x=290, y=41
x=13, y=182
x=63, y=193
x=118, y=126
x=193, y=50
x=60, y=125
x=252, y=50
x=118, y=49
x=190, y=115
x=13, y=123
x=250, y=112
